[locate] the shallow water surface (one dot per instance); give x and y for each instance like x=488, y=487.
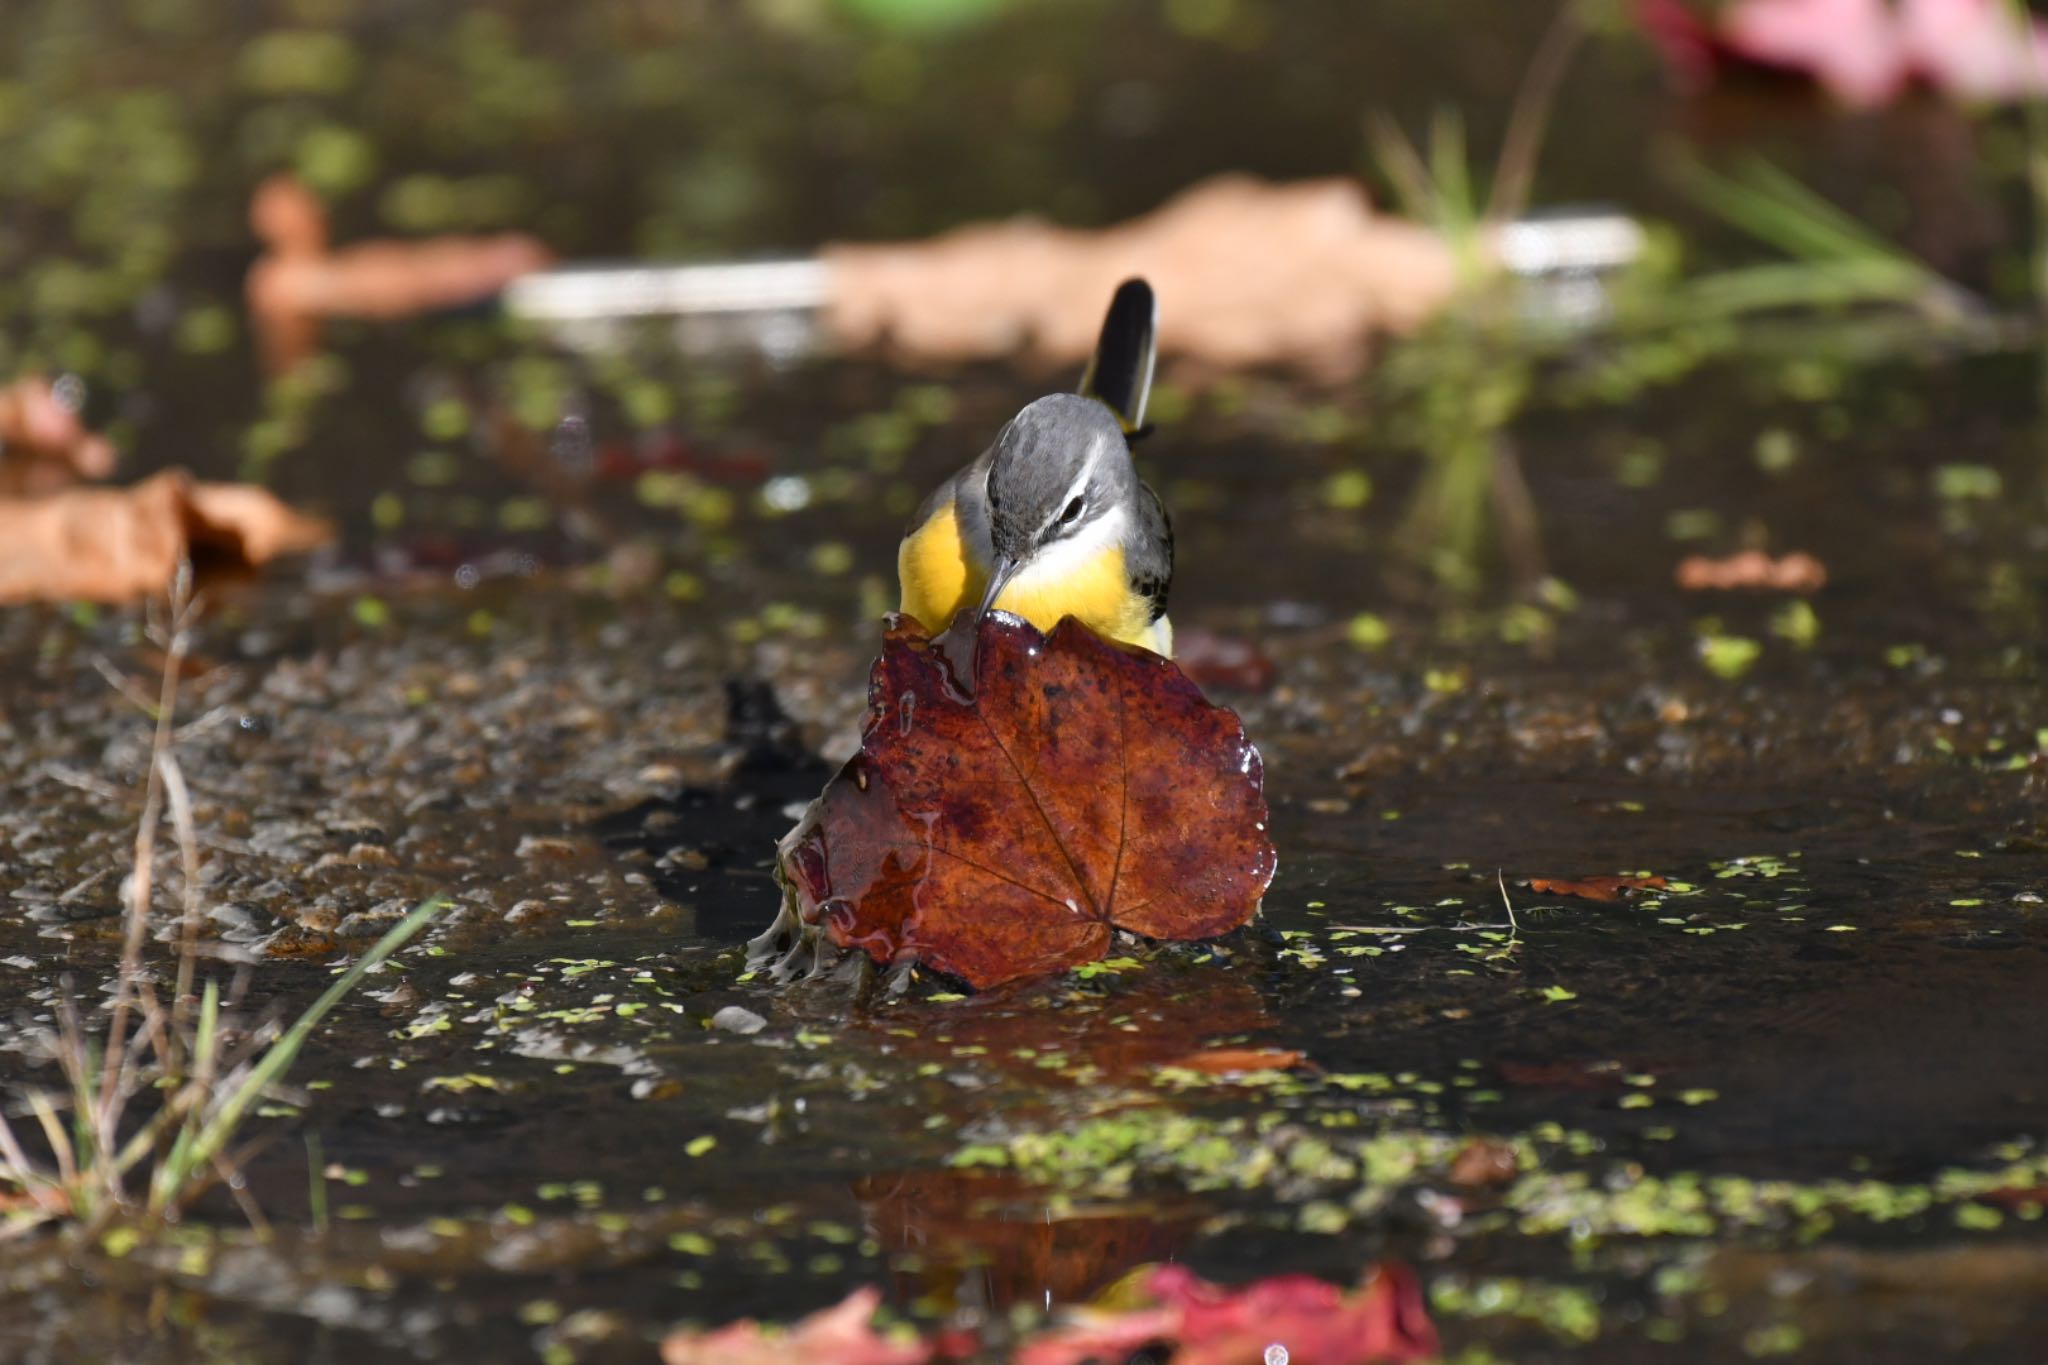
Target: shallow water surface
x=1789, y=1101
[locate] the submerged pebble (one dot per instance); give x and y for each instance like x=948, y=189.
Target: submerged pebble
x=738, y=1019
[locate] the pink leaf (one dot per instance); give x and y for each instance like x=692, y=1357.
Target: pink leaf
x=839, y=1335
x=1383, y=1322
x=1852, y=47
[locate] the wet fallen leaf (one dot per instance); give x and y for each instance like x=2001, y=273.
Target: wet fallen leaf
x=1595, y=888
x=300, y=279
x=1086, y=787
x=1796, y=572
x=1226, y=1061
x=839, y=1335
x=1222, y=251
x=117, y=544
x=1381, y=1322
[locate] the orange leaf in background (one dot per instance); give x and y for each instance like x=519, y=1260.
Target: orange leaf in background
x=116, y=544
x=1595, y=888
x=1223, y=250
x=839, y=1335
x=1085, y=787
x=1483, y=1161
x=1226, y=1061
x=300, y=280
x=43, y=444
x=1796, y=572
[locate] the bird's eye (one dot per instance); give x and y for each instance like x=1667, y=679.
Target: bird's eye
x=1071, y=513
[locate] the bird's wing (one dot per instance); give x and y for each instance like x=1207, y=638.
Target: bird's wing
x=1149, y=556
x=1120, y=371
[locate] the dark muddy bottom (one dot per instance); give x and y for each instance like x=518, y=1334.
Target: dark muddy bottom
x=1791, y=1100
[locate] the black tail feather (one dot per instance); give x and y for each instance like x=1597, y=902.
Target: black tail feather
x=1120, y=372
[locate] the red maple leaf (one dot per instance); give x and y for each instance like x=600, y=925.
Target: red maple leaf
x=1082, y=787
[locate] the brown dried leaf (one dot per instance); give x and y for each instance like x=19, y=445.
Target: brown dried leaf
x=1085, y=787
x=117, y=544
x=1223, y=251
x=300, y=280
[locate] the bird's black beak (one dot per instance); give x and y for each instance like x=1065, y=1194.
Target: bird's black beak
x=1005, y=570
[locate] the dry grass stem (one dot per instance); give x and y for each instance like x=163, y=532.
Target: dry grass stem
x=204, y=1086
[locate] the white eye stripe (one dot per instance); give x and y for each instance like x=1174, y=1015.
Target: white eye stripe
x=1077, y=488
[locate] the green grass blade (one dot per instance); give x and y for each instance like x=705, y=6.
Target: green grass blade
x=1798, y=284
x=1402, y=164
x=1770, y=205
x=316, y=1183
x=213, y=1136
x=174, y=1172
x=1451, y=174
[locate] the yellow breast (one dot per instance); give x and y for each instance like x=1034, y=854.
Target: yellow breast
x=940, y=578
x=937, y=574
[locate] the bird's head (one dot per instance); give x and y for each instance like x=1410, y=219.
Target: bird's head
x=1058, y=470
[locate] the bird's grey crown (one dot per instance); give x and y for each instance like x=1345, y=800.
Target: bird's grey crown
x=1059, y=449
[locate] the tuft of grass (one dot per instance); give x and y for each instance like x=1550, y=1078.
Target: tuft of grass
x=107, y=1165
x=1833, y=260
x=1439, y=189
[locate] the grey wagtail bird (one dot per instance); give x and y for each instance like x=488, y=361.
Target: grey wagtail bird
x=1052, y=520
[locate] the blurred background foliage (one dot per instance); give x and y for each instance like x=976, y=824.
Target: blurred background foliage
x=132, y=133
